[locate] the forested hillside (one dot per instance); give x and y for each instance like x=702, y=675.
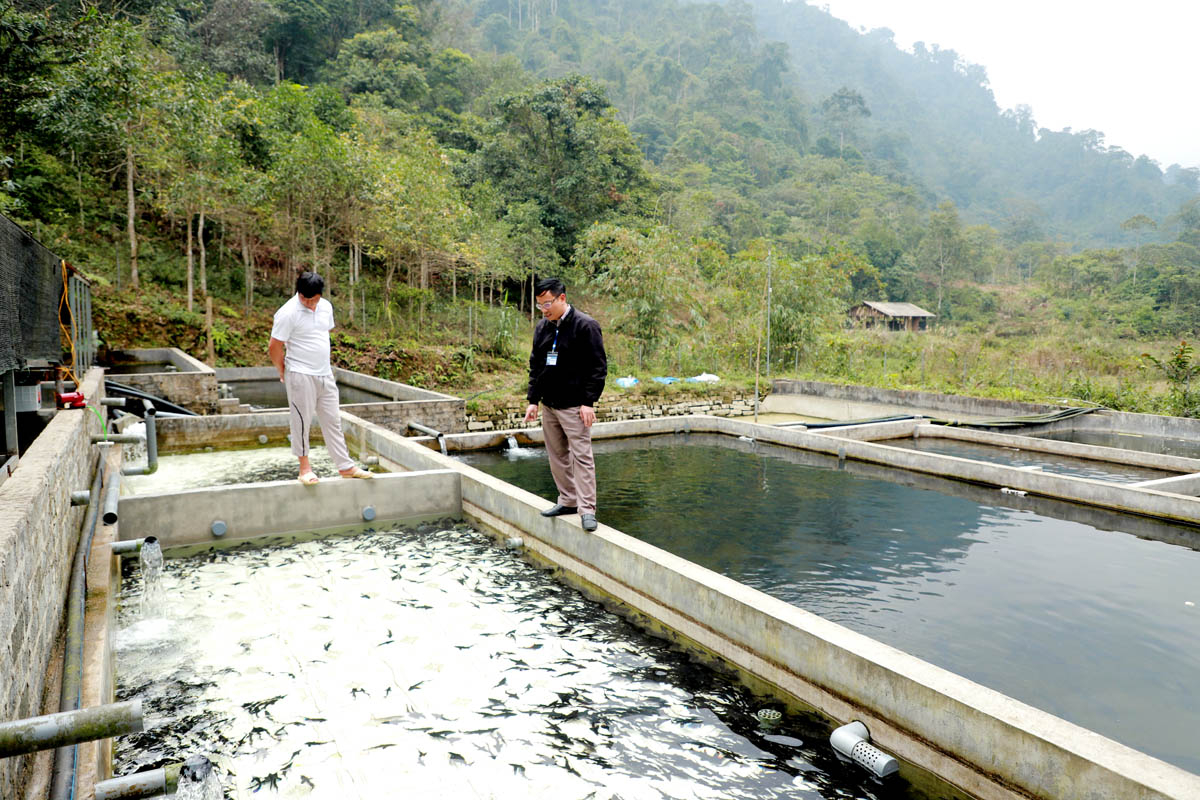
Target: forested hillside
x=432, y=157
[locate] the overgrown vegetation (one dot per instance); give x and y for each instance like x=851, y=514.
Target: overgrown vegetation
x=681, y=171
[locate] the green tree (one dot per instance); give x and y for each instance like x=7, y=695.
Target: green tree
x=845, y=107
x=559, y=145
x=651, y=275
x=1139, y=224
x=943, y=249
x=106, y=103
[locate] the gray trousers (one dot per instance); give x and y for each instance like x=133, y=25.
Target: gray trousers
x=316, y=395
x=569, y=445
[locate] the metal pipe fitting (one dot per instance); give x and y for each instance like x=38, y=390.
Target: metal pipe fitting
x=81, y=498
x=67, y=728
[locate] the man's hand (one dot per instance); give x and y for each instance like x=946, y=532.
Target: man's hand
x=587, y=415
x=531, y=412
x=275, y=350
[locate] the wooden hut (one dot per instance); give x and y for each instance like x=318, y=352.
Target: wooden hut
x=896, y=316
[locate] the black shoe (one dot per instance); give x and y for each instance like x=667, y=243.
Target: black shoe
x=589, y=522
x=559, y=510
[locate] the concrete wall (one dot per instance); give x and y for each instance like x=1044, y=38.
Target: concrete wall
x=194, y=387
x=617, y=408
x=39, y=531
x=439, y=411
x=441, y=415
x=836, y=401
x=985, y=743
x=1144, y=424
x=259, y=509
x=226, y=430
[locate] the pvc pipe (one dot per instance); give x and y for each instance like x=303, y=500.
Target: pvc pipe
x=118, y=402
x=119, y=438
x=148, y=416
x=81, y=498
x=853, y=742
x=416, y=426
x=112, y=497
x=164, y=780
x=67, y=728
x=130, y=546
x=151, y=437
x=62, y=782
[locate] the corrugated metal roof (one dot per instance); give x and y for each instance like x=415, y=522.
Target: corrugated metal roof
x=898, y=309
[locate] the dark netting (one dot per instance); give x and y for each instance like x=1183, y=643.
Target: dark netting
x=30, y=287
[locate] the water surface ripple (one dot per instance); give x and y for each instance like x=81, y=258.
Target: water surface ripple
x=1026, y=596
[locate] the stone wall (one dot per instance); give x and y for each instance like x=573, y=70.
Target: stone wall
x=195, y=391
x=39, y=530
x=441, y=415
x=718, y=403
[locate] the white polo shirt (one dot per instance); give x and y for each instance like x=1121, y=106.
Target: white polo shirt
x=306, y=334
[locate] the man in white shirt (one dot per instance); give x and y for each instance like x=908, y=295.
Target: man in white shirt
x=299, y=349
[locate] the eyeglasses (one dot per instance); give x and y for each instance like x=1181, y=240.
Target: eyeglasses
x=548, y=303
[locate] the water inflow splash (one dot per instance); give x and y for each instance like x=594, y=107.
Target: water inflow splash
x=154, y=596
x=198, y=781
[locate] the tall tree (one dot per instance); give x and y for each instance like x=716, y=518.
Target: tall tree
x=943, y=249
x=106, y=103
x=845, y=107
x=559, y=145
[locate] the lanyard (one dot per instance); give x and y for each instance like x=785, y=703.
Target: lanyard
x=554, y=347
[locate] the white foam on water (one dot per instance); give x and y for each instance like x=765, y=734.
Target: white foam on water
x=429, y=665
x=177, y=473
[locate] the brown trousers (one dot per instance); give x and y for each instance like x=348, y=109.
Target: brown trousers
x=569, y=445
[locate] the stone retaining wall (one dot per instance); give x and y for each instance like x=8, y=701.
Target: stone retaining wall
x=728, y=403
x=39, y=530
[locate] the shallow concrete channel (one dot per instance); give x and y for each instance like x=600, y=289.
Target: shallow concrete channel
x=978, y=740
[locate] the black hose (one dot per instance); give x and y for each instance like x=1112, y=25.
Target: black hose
x=1003, y=422
x=122, y=390
x=62, y=783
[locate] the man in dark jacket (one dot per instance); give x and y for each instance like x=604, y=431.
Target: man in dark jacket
x=567, y=368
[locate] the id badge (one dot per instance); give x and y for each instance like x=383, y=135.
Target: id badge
x=551, y=358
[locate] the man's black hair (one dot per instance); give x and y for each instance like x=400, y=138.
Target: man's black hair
x=553, y=285
x=309, y=284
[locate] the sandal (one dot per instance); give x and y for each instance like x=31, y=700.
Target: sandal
x=309, y=478
x=358, y=472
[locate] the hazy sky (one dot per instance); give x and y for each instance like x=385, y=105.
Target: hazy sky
x=1120, y=68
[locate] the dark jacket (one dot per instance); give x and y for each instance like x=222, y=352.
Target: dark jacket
x=578, y=377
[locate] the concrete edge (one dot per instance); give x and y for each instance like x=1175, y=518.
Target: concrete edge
x=1033, y=444
x=253, y=510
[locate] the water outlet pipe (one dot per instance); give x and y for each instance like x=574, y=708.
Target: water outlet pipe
x=151, y=783
x=131, y=546
x=428, y=431
x=112, y=497
x=853, y=742
x=68, y=728
x=119, y=438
